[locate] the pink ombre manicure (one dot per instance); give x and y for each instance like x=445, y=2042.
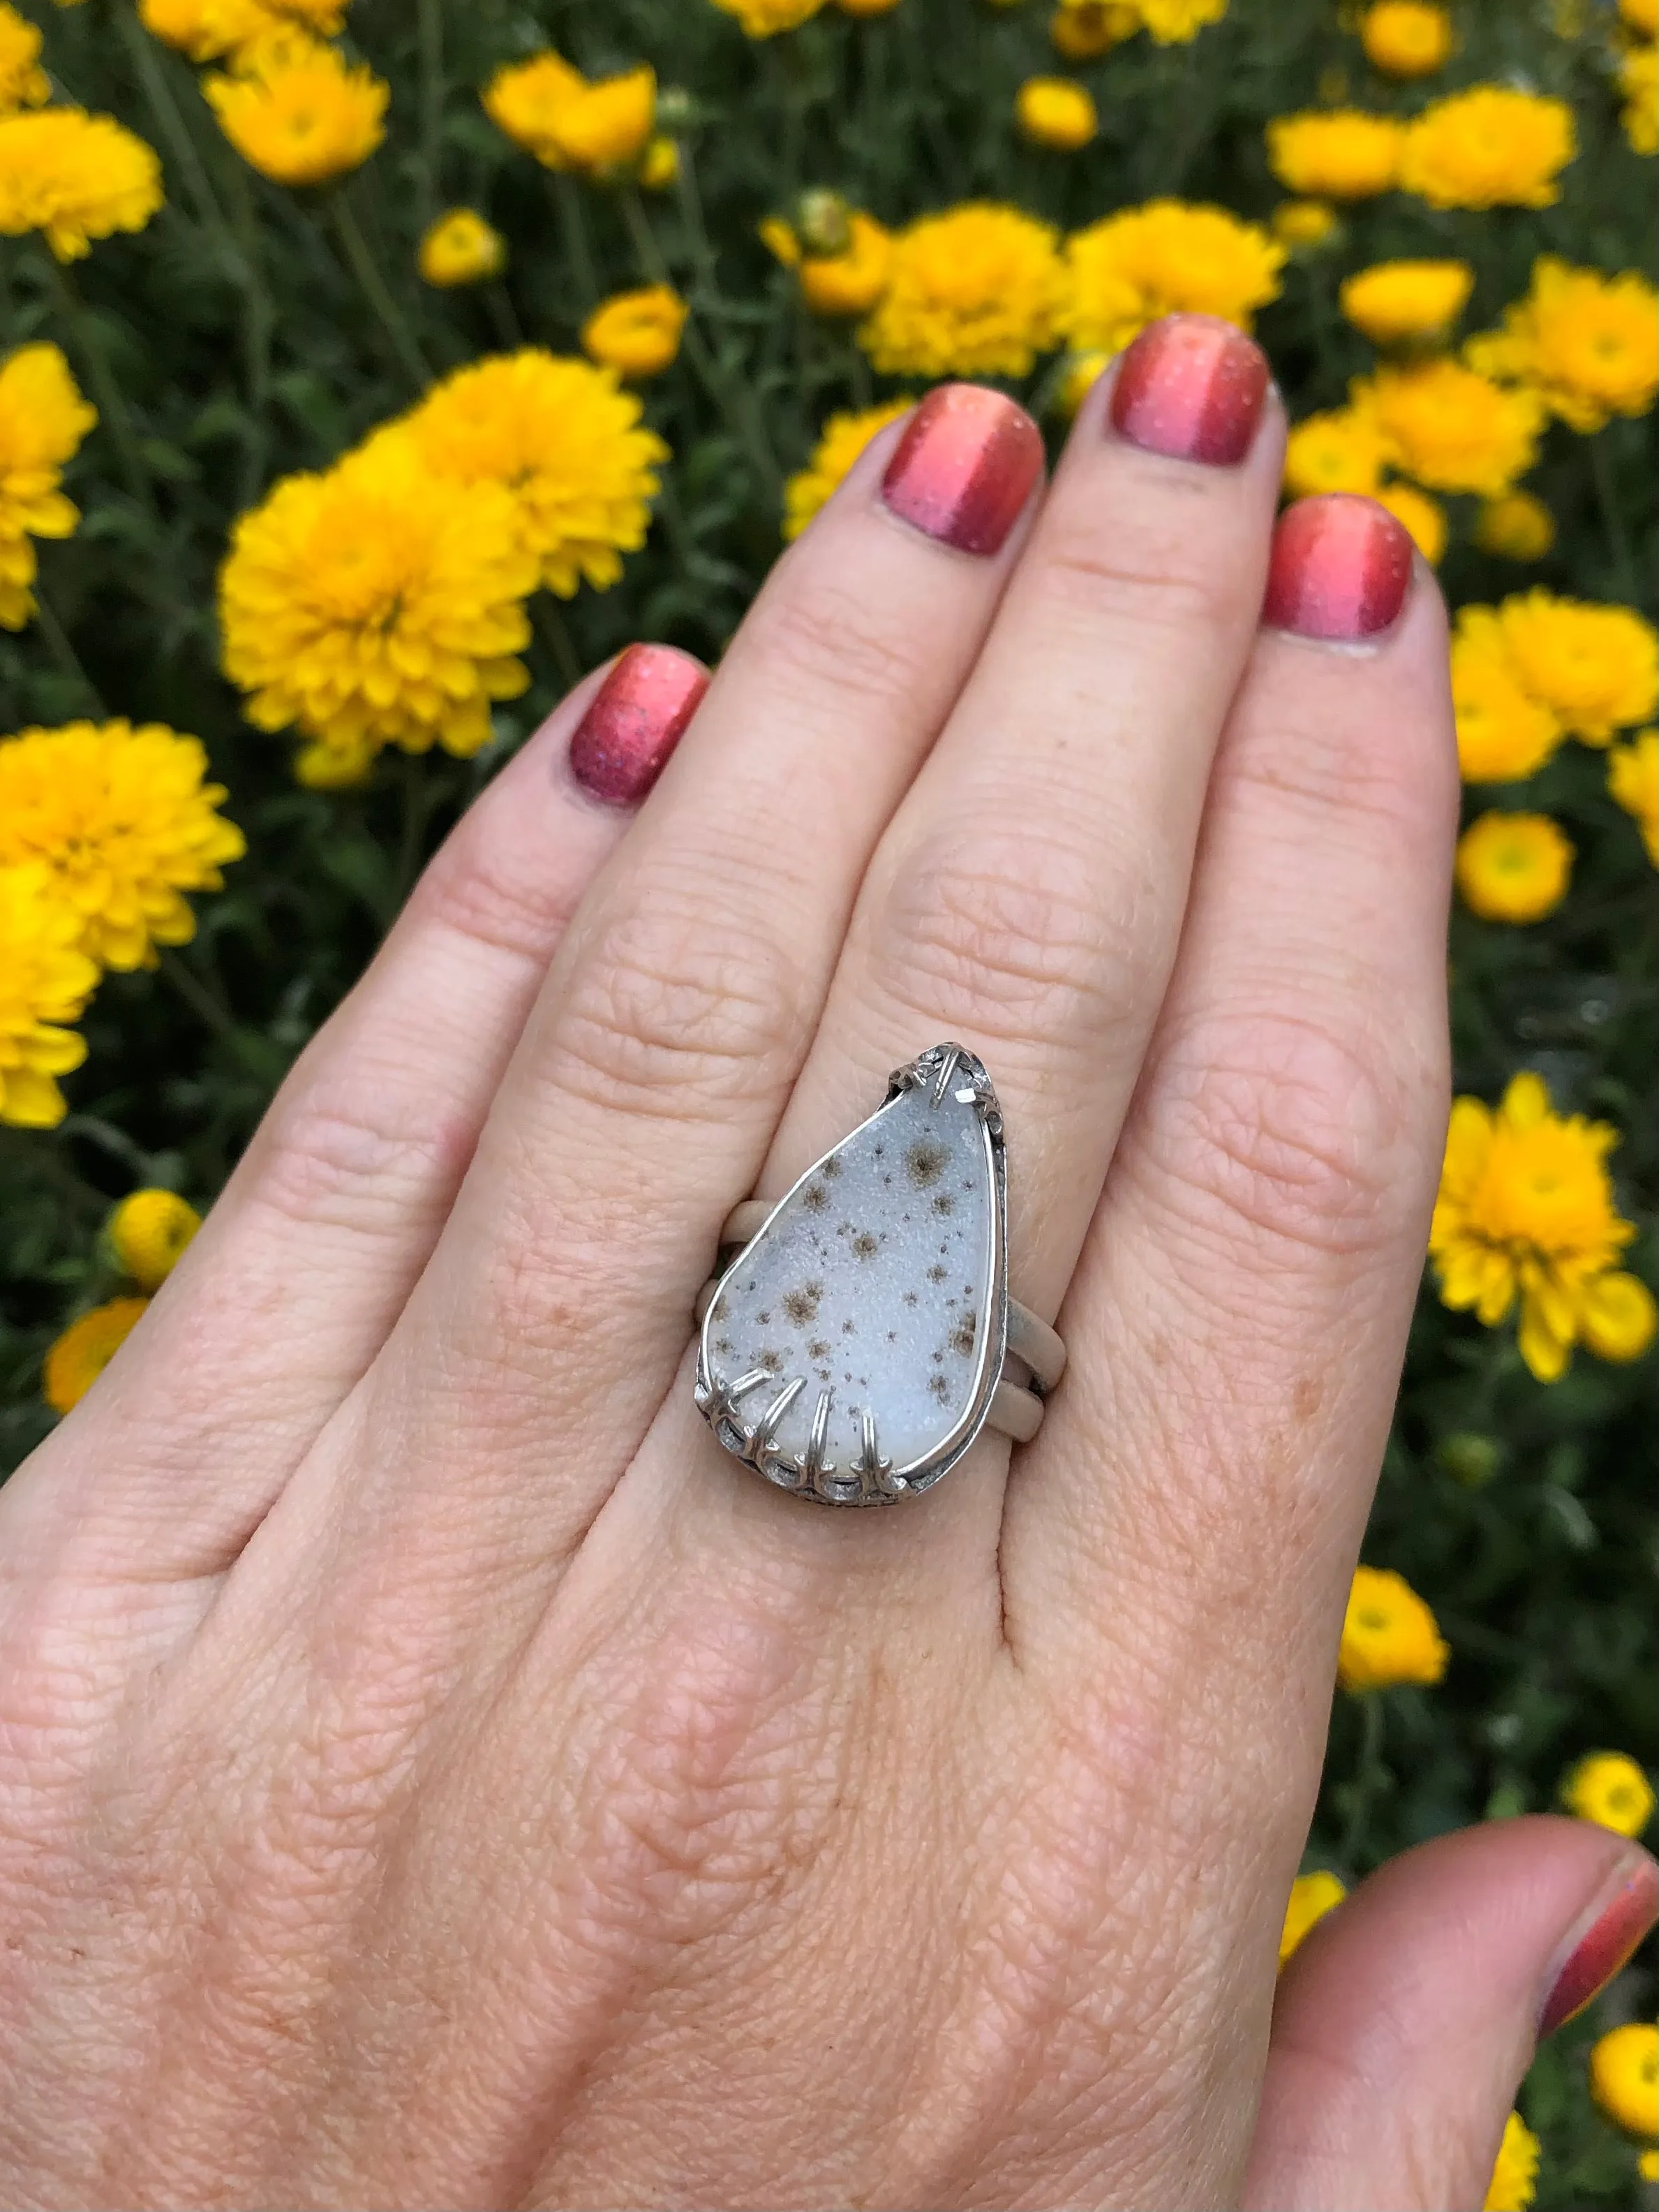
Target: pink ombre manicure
x=964, y=467
x=1339, y=569
x=634, y=722
x=1606, y=1945
x=1192, y=387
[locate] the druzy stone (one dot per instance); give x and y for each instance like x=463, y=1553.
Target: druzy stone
x=876, y=1287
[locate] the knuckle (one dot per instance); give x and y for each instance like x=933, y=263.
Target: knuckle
x=347, y=1152
x=832, y=640
x=494, y=889
x=1156, y=573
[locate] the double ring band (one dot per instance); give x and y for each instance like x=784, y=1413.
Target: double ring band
x=861, y=1334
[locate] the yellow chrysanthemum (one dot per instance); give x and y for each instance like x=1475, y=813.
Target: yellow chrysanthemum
x=1623, y=2076
x=1515, y=526
x=762, y=18
x=524, y=99
x=85, y=1349
x=1514, y=2178
x=124, y=822
x=1609, y=1788
x=1388, y=1635
x=44, y=981
x=1339, y=449
x=974, y=292
x=1344, y=155
x=564, y=439
x=147, y=1231
x=1596, y=668
x=1526, y=1212
x=1393, y=302
x=23, y=83
x=635, y=333
x=1489, y=147
x=206, y=29
x=1406, y=38
x=1513, y=867
x=1303, y=224
x=1589, y=343
x=1312, y=1896
x=74, y=177
x=1451, y=429
x=660, y=164
x=1638, y=85
x=1173, y=22
x=849, y=283
x=844, y=438
x=1167, y=257
x=1423, y=517
x=603, y=124
x=1634, y=784
x=379, y=604
x=461, y=248
x=1056, y=112
x=1083, y=30
x=1504, y=732
x=43, y=419
x=299, y=113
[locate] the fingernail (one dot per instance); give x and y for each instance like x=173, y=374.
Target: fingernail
x=964, y=467
x=1191, y=387
x=1602, y=1941
x=633, y=721
x=1339, y=569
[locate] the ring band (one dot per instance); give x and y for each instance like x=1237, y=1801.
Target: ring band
x=882, y=1276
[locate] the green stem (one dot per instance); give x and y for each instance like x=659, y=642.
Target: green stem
x=432, y=104
x=1613, y=520
x=566, y=195
x=169, y=120
x=378, y=294
x=196, y=994
x=111, y=407
x=555, y=634
x=63, y=652
x=417, y=803
x=258, y=325
x=498, y=305
x=1372, y=1777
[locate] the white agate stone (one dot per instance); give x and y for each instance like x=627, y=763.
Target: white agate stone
x=874, y=1283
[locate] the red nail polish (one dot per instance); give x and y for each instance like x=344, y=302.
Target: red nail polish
x=633, y=721
x=1609, y=1942
x=1340, y=567
x=1191, y=387
x=964, y=467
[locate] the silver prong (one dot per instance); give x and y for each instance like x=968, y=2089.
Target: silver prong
x=763, y=1444
x=947, y=1068
x=815, y=1469
x=733, y=1391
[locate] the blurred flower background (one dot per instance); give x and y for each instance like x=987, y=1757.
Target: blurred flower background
x=370, y=368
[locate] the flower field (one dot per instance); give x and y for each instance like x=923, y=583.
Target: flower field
x=371, y=368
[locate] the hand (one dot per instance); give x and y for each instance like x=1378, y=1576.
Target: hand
x=432, y=1772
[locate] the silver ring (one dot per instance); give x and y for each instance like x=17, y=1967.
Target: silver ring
x=861, y=1334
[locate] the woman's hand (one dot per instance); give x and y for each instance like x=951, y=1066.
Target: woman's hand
x=432, y=1772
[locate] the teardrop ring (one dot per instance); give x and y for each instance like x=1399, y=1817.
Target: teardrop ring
x=861, y=1334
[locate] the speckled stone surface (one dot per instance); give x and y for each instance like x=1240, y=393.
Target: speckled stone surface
x=872, y=1283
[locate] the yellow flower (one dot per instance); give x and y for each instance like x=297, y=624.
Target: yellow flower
x=1344, y=155
x=660, y=164
x=1589, y=343
x=1489, y=147
x=1173, y=22
x=1303, y=223
x=844, y=438
x=124, y=823
x=205, y=29
x=43, y=419
x=760, y=19
x=1596, y=668
x=1526, y=1212
x=635, y=333
x=1504, y=732
x=1647, y=2165
x=1312, y=1896
x=1056, y=112
x=1082, y=372
x=299, y=112
x=1452, y=429
x=866, y=7
x=1515, y=526
x=1611, y=1789
x=1623, y=2076
x=85, y=1349
x=1083, y=30
x=974, y=292
x=1341, y=450
x=1514, y=2178
x=1406, y=38
x=75, y=177
x=23, y=83
x=378, y=605
x=1638, y=83
x=566, y=441
x=147, y=1231
x=1633, y=782
x=1513, y=867
x=1425, y=518
x=44, y=981
x=604, y=125
x=1394, y=300
x=523, y=100
x=461, y=248
x=1388, y=1635
x=1641, y=16
x=1166, y=257
x=849, y=283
